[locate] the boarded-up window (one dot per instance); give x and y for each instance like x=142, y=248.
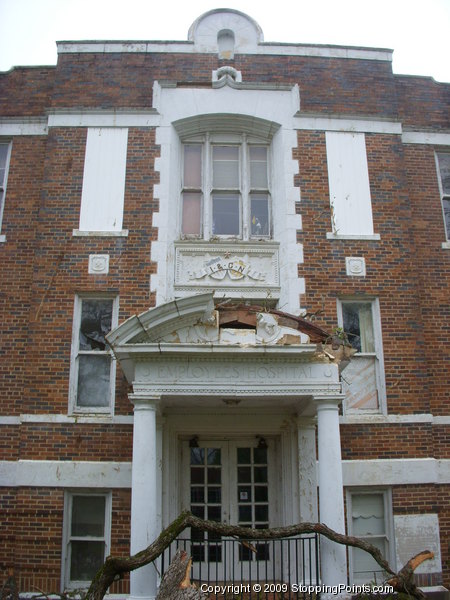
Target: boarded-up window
x=348, y=179
x=102, y=197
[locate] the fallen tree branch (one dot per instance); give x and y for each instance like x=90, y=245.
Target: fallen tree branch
x=115, y=567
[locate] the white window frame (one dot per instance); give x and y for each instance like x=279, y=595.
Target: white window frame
x=66, y=583
x=388, y=524
x=244, y=142
x=443, y=195
x=75, y=353
x=4, y=183
x=377, y=355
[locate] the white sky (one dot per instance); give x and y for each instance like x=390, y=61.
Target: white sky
x=417, y=31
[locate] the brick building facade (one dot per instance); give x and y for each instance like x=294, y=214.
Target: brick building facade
x=173, y=181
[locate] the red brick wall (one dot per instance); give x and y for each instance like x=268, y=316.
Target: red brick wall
x=26, y=91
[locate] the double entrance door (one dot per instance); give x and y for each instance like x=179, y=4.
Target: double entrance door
x=232, y=482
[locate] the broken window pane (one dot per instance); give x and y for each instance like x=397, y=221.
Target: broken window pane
x=93, y=380
x=358, y=325
x=96, y=317
x=3, y=159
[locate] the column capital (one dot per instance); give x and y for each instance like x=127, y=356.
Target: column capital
x=328, y=402
x=145, y=402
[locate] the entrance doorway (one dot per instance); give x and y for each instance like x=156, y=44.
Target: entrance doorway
x=235, y=482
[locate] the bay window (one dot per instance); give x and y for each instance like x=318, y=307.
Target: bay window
x=225, y=188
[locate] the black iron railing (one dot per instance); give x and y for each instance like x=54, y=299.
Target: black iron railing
x=239, y=568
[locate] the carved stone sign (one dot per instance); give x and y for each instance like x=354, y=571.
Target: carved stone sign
x=246, y=376
x=221, y=266
x=242, y=269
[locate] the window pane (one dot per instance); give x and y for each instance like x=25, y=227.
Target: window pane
x=243, y=456
x=213, y=456
x=3, y=157
x=358, y=325
x=94, y=373
x=364, y=564
x=446, y=203
x=192, y=167
x=197, y=456
x=261, y=512
x=226, y=167
x=86, y=559
x=88, y=516
x=368, y=514
x=444, y=168
x=259, y=218
x=260, y=456
x=197, y=494
x=258, y=167
x=191, y=214
x=226, y=208
x=96, y=317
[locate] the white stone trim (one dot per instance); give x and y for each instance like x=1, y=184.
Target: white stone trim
x=267, y=49
x=426, y=137
x=445, y=245
x=13, y=126
x=105, y=118
x=353, y=236
x=349, y=419
x=108, y=474
x=80, y=233
x=397, y=471
x=73, y=474
x=354, y=125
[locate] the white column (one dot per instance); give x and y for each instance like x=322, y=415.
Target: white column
x=144, y=505
x=331, y=497
x=307, y=476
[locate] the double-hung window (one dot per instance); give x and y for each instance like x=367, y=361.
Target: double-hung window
x=443, y=160
x=5, y=150
x=225, y=188
x=363, y=379
x=93, y=370
x=87, y=536
x=369, y=519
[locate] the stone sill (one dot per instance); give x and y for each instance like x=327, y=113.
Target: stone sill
x=80, y=233
x=353, y=236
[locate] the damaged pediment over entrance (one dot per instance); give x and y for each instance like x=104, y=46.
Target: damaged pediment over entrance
x=197, y=320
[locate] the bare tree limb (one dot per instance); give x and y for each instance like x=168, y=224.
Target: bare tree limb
x=115, y=567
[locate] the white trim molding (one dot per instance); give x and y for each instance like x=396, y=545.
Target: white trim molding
x=103, y=118
x=73, y=474
x=13, y=126
x=426, y=137
x=350, y=124
x=396, y=471
x=265, y=48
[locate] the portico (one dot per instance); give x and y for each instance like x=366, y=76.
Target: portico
x=230, y=408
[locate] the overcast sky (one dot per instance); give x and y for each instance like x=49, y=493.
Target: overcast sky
x=417, y=31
